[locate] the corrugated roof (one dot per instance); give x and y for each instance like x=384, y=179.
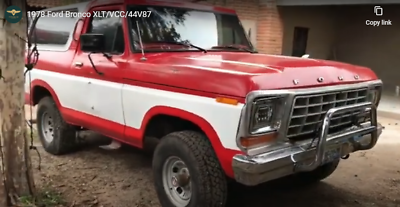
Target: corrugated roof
x=50, y=3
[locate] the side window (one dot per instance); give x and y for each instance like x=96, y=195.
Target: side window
x=229, y=27
x=53, y=30
x=111, y=27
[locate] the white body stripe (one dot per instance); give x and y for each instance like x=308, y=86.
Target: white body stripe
x=127, y=104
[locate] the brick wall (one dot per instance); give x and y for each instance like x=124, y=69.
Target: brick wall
x=269, y=23
x=270, y=28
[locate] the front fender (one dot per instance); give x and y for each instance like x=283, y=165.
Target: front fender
x=224, y=155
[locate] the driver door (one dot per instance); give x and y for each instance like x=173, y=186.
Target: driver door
x=103, y=75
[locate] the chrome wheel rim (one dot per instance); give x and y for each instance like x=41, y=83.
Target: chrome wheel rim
x=176, y=181
x=47, y=127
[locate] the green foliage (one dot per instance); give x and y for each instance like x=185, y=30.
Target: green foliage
x=44, y=198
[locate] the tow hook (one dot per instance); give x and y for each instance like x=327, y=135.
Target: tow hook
x=346, y=157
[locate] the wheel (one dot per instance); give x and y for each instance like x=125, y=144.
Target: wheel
x=187, y=172
x=318, y=174
x=57, y=137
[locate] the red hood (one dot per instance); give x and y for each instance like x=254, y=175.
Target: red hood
x=236, y=74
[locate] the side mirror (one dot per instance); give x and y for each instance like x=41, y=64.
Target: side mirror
x=92, y=43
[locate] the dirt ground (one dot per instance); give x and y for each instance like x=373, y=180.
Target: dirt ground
x=123, y=178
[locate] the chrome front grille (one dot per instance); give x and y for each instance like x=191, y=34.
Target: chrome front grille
x=309, y=110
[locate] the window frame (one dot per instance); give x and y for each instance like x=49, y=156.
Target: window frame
x=136, y=7
x=54, y=47
x=89, y=26
x=87, y=22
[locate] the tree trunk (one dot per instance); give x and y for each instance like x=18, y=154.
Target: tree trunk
x=16, y=171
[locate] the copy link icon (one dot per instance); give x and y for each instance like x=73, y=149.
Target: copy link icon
x=378, y=10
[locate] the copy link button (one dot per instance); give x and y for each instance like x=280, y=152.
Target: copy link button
x=378, y=10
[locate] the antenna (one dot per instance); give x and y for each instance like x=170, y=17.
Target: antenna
x=143, y=58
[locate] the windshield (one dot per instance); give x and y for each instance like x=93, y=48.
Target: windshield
x=204, y=29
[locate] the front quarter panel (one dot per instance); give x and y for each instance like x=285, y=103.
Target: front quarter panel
x=224, y=118
x=218, y=121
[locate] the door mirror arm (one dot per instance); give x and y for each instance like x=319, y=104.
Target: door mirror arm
x=93, y=66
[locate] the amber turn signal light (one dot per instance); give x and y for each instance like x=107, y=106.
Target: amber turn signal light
x=258, y=140
x=227, y=101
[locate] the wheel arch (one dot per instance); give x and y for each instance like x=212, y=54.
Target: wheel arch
x=40, y=89
x=224, y=155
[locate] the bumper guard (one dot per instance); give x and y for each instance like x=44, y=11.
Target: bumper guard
x=306, y=156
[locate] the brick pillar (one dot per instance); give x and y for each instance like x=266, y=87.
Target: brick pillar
x=270, y=28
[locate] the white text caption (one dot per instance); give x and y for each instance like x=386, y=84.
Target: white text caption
x=98, y=14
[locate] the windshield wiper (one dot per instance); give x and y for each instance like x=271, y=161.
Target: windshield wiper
x=234, y=47
x=181, y=43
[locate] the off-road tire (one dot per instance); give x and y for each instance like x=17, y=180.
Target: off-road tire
x=318, y=174
x=209, y=185
x=64, y=140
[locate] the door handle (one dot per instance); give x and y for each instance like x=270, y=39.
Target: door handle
x=79, y=64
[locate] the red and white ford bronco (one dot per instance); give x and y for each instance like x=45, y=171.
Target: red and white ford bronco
x=183, y=79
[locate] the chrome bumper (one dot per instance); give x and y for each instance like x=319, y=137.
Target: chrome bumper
x=307, y=156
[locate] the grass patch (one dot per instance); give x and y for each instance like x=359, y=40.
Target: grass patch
x=44, y=198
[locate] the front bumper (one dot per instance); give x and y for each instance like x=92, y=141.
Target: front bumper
x=307, y=156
